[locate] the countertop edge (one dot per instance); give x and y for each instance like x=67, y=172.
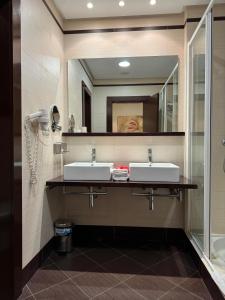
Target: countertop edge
x=184, y=183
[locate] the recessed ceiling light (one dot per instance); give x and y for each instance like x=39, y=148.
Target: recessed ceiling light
x=90, y=5
x=121, y=3
x=153, y=2
x=124, y=64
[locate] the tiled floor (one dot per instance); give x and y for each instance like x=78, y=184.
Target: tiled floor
x=149, y=272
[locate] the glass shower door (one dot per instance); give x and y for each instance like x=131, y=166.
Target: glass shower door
x=199, y=134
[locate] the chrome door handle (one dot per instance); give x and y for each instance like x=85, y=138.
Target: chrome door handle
x=223, y=143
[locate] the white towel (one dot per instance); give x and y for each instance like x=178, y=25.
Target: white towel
x=120, y=174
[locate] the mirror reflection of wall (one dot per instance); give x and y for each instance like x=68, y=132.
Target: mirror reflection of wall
x=168, y=103
x=199, y=86
x=143, y=92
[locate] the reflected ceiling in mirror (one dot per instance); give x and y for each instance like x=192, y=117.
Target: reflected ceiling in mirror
x=124, y=94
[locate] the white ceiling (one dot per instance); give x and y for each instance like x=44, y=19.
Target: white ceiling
x=76, y=9
x=140, y=67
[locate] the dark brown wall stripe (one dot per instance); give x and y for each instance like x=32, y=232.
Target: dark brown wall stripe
x=125, y=29
x=222, y=18
x=192, y=20
x=130, y=84
x=123, y=134
x=144, y=28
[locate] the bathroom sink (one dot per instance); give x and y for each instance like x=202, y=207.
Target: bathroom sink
x=159, y=172
x=88, y=171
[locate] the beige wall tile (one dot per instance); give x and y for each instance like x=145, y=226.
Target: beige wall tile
x=120, y=208
x=123, y=44
x=107, y=210
x=43, y=75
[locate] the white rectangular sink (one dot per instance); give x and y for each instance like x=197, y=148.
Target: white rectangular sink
x=160, y=172
x=88, y=171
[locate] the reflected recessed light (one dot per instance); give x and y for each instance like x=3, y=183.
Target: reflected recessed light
x=153, y=2
x=124, y=64
x=121, y=3
x=90, y=5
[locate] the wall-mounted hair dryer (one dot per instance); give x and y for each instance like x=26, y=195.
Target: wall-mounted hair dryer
x=42, y=117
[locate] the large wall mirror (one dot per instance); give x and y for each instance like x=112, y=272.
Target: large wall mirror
x=124, y=95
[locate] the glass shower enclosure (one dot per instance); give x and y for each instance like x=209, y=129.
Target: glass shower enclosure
x=206, y=140
x=198, y=138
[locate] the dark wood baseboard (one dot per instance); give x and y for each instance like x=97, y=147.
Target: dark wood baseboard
x=84, y=235
x=121, y=236
x=36, y=262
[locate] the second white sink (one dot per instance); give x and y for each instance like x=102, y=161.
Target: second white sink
x=160, y=172
x=88, y=171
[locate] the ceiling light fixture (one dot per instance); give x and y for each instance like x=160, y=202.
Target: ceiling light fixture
x=124, y=64
x=153, y=2
x=90, y=5
x=121, y=3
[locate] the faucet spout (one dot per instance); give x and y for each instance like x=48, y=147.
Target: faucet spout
x=93, y=155
x=150, y=156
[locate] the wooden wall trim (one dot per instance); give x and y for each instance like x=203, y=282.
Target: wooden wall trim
x=143, y=28
x=11, y=151
x=80, y=134
x=124, y=29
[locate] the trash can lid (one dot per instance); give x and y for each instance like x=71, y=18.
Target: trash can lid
x=63, y=223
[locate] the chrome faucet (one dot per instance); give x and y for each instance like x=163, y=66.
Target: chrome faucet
x=150, y=156
x=93, y=155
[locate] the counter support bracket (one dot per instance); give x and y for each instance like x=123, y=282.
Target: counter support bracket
x=151, y=195
x=91, y=193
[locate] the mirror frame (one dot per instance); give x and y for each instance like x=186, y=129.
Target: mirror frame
x=81, y=134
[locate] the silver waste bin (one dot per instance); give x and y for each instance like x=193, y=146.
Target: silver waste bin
x=63, y=236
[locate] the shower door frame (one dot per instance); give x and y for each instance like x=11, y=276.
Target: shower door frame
x=207, y=19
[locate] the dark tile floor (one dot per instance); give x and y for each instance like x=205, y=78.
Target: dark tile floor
x=147, y=272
